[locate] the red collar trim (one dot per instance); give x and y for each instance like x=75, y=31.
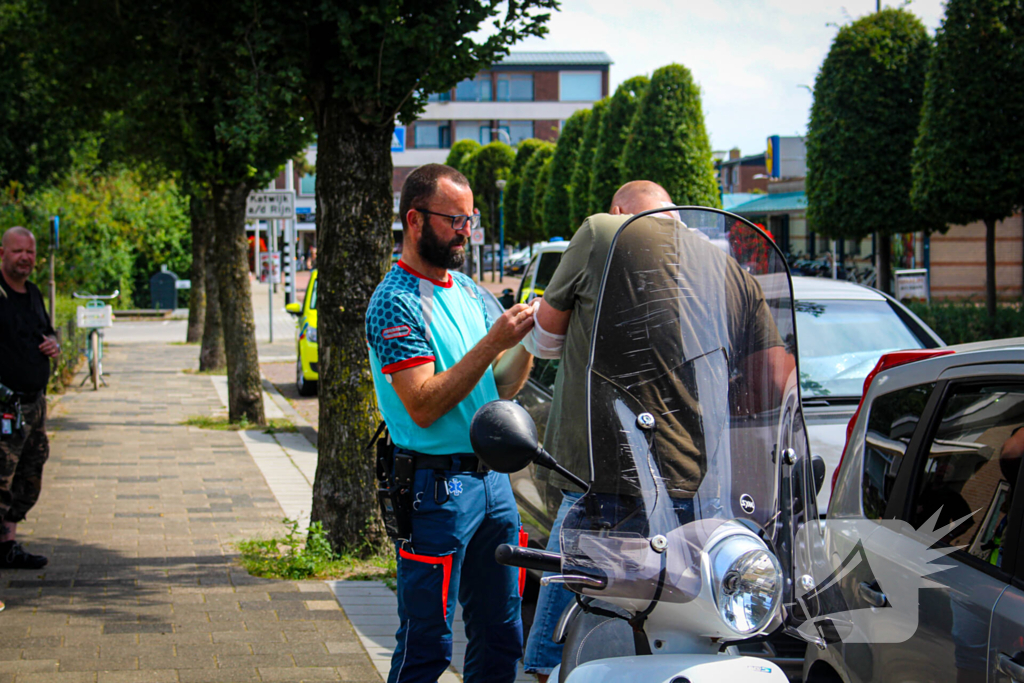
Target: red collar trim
x=404, y=266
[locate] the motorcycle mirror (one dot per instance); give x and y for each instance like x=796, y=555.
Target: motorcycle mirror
x=818, y=468
x=504, y=436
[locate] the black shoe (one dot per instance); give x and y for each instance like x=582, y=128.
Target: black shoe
x=13, y=556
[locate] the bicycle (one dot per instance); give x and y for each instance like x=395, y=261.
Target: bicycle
x=94, y=316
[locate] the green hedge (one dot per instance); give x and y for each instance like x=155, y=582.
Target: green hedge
x=961, y=322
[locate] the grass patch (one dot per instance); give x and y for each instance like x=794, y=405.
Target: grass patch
x=190, y=371
x=185, y=343
x=276, y=425
x=293, y=556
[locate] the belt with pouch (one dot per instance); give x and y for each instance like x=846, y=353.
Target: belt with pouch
x=466, y=462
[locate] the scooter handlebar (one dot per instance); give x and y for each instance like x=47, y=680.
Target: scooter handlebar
x=528, y=558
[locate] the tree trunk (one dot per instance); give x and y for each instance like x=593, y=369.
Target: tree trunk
x=353, y=254
x=211, y=354
x=197, y=295
x=883, y=270
x=990, y=269
x=245, y=390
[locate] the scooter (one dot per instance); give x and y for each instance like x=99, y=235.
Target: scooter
x=684, y=543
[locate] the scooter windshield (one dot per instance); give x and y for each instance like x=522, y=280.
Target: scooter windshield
x=692, y=360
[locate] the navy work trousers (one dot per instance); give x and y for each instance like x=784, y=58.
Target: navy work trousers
x=459, y=518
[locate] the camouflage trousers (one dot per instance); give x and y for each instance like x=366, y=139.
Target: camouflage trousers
x=22, y=456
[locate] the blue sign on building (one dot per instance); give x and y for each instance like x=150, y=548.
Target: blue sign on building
x=398, y=139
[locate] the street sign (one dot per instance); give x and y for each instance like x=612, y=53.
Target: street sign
x=398, y=139
x=477, y=237
x=912, y=284
x=270, y=205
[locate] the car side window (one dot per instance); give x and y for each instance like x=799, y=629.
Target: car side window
x=891, y=423
x=524, y=286
x=546, y=269
x=543, y=373
x=971, y=469
x=312, y=296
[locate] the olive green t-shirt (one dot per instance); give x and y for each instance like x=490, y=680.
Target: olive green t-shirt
x=746, y=327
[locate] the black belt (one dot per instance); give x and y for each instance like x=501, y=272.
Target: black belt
x=467, y=462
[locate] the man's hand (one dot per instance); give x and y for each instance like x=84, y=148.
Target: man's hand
x=50, y=347
x=511, y=327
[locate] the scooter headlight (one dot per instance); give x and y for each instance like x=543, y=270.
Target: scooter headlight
x=311, y=334
x=747, y=582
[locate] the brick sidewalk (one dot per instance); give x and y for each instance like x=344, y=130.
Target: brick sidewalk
x=138, y=517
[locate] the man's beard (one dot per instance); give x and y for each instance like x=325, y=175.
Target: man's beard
x=438, y=253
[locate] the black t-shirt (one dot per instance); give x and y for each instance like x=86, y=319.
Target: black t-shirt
x=23, y=322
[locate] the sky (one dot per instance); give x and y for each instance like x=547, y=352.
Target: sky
x=755, y=60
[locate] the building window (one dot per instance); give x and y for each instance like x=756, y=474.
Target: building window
x=307, y=185
x=474, y=90
x=579, y=86
x=517, y=131
x=445, y=96
x=473, y=130
x=515, y=88
x=433, y=135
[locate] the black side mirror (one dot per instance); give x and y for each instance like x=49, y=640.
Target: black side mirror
x=505, y=437
x=507, y=299
x=818, y=469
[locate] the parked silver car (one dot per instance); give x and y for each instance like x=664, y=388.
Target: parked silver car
x=927, y=511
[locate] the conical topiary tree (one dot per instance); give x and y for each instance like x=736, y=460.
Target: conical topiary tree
x=968, y=160
x=489, y=163
x=541, y=195
x=567, y=151
x=611, y=140
x=668, y=143
x=524, y=151
x=460, y=153
x=579, y=184
x=867, y=106
x=529, y=225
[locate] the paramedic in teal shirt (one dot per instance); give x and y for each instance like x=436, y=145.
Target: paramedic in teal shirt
x=437, y=357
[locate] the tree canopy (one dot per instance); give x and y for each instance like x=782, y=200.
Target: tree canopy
x=864, y=119
x=461, y=151
x=491, y=163
x=524, y=151
x=967, y=162
x=530, y=222
x=540, y=196
x=579, y=184
x=606, y=176
x=567, y=151
x=668, y=143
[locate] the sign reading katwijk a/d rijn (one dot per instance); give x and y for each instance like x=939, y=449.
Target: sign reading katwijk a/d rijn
x=270, y=205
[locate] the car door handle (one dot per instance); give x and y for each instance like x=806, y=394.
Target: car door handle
x=872, y=595
x=1011, y=668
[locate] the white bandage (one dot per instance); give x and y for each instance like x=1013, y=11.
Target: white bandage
x=540, y=343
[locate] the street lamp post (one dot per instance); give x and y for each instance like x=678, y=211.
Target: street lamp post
x=501, y=222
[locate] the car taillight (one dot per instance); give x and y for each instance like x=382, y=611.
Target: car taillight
x=886, y=362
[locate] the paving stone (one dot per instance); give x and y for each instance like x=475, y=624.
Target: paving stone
x=139, y=518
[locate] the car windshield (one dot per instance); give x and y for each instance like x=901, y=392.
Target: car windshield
x=840, y=342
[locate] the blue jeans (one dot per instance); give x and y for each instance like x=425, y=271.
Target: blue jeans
x=459, y=519
x=542, y=653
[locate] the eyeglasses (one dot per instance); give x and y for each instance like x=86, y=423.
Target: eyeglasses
x=462, y=221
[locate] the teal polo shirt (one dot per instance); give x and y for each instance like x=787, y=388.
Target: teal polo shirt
x=412, y=320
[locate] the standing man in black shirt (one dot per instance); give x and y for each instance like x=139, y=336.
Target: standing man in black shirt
x=27, y=343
